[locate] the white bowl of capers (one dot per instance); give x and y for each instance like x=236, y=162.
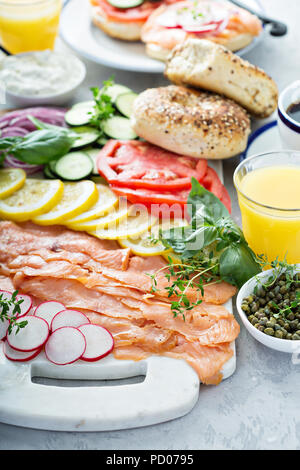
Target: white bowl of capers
x=269, y=307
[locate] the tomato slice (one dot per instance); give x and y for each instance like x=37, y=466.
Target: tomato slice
x=130, y=15
x=149, y=197
x=136, y=164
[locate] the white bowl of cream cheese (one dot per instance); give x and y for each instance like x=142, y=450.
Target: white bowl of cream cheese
x=40, y=77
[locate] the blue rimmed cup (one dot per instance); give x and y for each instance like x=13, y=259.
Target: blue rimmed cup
x=289, y=129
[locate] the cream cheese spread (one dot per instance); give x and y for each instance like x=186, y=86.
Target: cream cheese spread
x=42, y=73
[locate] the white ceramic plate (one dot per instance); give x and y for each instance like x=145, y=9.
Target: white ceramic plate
x=89, y=41
x=264, y=139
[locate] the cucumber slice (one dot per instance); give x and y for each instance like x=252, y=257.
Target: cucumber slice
x=51, y=165
x=93, y=154
x=118, y=127
x=86, y=136
x=74, y=166
x=125, y=3
x=115, y=90
x=124, y=103
x=80, y=114
x=48, y=173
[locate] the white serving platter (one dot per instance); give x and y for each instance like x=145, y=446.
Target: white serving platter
x=78, y=32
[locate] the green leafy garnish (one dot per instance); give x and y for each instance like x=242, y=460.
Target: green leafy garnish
x=39, y=147
x=11, y=314
x=211, y=249
x=104, y=107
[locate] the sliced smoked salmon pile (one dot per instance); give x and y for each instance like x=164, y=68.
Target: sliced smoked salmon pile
x=113, y=288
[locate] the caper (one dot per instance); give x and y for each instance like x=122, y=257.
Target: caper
x=291, y=316
x=254, y=307
x=254, y=321
x=283, y=289
x=295, y=337
x=249, y=299
x=269, y=331
x=245, y=308
x=288, y=336
x=259, y=327
x=278, y=334
x=294, y=325
x=250, y=318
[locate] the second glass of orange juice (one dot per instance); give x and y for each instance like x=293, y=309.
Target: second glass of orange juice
x=268, y=188
x=29, y=25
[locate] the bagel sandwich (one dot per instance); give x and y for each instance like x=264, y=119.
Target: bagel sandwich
x=218, y=21
x=190, y=122
x=120, y=22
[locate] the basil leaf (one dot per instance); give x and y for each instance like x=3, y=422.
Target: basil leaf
x=42, y=146
x=202, y=201
x=238, y=264
x=199, y=239
x=7, y=142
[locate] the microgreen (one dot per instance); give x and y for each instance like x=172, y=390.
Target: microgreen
x=104, y=107
x=11, y=314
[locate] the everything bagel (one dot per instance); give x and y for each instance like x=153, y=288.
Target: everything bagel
x=190, y=122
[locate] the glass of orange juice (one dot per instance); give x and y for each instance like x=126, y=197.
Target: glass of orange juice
x=268, y=188
x=29, y=25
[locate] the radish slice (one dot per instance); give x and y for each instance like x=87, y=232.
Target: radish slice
x=65, y=345
x=48, y=310
x=99, y=342
x=68, y=318
x=31, y=337
x=19, y=356
x=3, y=328
x=25, y=306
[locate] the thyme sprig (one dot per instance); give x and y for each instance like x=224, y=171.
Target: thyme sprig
x=281, y=270
x=182, y=277
x=9, y=310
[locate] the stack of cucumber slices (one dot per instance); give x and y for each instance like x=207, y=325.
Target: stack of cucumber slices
x=80, y=163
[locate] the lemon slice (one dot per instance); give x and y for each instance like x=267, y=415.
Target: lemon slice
x=132, y=226
x=11, y=179
x=107, y=200
x=145, y=246
x=114, y=216
x=34, y=198
x=76, y=198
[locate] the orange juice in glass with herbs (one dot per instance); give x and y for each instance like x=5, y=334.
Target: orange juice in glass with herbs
x=29, y=25
x=268, y=188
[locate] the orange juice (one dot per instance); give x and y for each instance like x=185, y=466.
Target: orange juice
x=29, y=25
x=269, y=199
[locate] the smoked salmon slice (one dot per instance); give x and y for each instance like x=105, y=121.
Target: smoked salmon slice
x=113, y=289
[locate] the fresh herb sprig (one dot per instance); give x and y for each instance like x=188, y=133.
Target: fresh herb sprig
x=9, y=310
x=289, y=276
x=212, y=248
x=104, y=107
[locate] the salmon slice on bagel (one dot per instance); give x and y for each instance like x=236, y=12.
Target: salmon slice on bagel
x=220, y=22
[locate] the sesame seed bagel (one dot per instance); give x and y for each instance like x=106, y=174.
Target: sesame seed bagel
x=191, y=122
x=203, y=64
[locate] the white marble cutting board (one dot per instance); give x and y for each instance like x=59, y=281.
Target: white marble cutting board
x=170, y=389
